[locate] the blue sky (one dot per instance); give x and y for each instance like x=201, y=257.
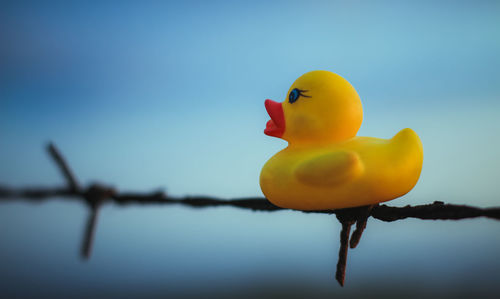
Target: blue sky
x=170, y=95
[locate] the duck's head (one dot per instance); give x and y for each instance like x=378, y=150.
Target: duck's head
x=320, y=107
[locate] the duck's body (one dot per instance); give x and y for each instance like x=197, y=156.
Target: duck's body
x=326, y=166
x=360, y=171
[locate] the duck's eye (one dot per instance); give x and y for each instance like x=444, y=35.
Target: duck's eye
x=295, y=94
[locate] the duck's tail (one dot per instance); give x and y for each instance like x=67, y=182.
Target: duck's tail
x=408, y=140
x=408, y=154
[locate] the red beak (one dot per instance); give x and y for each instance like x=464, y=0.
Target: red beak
x=276, y=126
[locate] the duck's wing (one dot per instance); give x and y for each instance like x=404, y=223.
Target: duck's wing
x=330, y=169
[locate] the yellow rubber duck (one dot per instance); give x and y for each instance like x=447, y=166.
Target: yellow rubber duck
x=325, y=165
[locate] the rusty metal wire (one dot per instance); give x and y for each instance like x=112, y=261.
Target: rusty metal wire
x=95, y=195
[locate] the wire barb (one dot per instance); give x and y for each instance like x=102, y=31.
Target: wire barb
x=342, y=261
x=64, y=168
x=89, y=233
x=347, y=217
x=360, y=226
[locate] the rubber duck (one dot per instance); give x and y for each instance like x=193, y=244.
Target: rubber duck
x=325, y=165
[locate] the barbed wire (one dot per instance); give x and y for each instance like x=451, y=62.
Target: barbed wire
x=97, y=194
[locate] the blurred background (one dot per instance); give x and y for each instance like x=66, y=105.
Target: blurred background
x=170, y=95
